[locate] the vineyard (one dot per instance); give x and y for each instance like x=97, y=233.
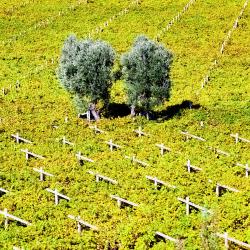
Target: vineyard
x=178, y=181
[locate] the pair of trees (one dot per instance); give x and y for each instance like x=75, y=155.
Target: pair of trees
x=85, y=71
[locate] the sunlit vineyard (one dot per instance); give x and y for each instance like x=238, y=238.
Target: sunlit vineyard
x=33, y=104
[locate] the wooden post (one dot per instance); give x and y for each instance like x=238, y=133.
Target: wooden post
x=6, y=221
x=219, y=187
x=26, y=155
x=162, y=148
x=8, y=216
x=42, y=173
x=79, y=227
x=17, y=137
x=236, y=138
x=188, y=166
x=226, y=241
x=121, y=201
x=82, y=158
x=217, y=190
x=81, y=223
x=187, y=206
x=56, y=197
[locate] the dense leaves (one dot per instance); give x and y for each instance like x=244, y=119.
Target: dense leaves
x=85, y=70
x=147, y=73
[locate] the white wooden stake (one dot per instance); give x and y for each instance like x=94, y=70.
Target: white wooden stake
x=187, y=206
x=56, y=197
x=226, y=240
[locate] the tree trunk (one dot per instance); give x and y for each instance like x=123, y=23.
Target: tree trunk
x=132, y=110
x=93, y=111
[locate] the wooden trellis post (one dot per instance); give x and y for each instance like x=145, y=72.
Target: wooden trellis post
x=112, y=145
x=158, y=182
x=163, y=148
x=82, y=158
x=82, y=224
x=237, y=138
x=140, y=132
x=102, y=177
x=166, y=237
x=121, y=201
x=86, y=114
x=133, y=159
x=227, y=239
x=66, y=142
x=20, y=139
x=191, y=204
x=30, y=154
x=218, y=151
x=188, y=135
x=191, y=167
x=10, y=216
x=97, y=130
x=219, y=187
x=42, y=173
x=246, y=167
x=57, y=195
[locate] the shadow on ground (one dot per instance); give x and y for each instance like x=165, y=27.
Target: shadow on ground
x=175, y=110
x=120, y=110
x=116, y=110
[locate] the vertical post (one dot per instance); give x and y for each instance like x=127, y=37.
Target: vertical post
x=41, y=174
x=133, y=158
x=79, y=227
x=111, y=145
x=6, y=221
x=139, y=130
x=217, y=190
x=162, y=149
x=119, y=203
x=187, y=206
x=188, y=166
x=27, y=154
x=155, y=183
x=17, y=137
x=56, y=197
x=247, y=170
x=66, y=119
x=97, y=178
x=236, y=138
x=226, y=240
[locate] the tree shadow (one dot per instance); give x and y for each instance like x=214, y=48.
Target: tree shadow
x=174, y=110
x=116, y=110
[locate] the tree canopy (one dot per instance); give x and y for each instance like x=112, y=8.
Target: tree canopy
x=85, y=71
x=146, y=69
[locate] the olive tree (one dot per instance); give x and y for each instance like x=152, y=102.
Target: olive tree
x=146, y=70
x=85, y=71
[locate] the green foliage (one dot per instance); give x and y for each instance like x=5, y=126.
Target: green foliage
x=147, y=73
x=85, y=70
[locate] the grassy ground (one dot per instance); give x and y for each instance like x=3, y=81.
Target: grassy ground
x=30, y=55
